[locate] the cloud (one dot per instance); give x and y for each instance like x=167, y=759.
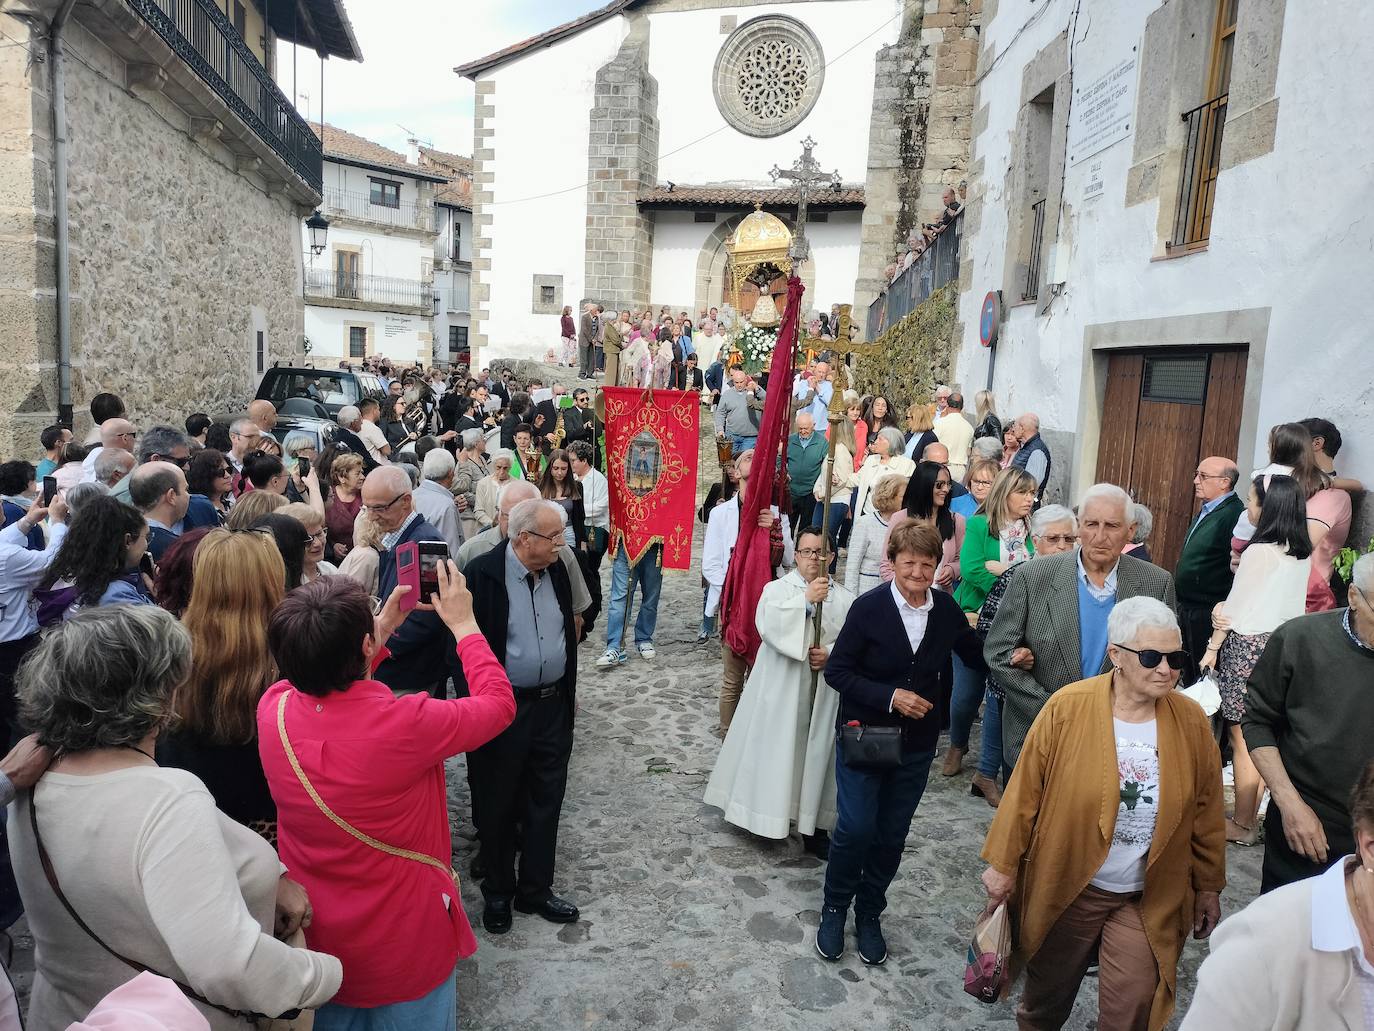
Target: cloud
x=405, y=83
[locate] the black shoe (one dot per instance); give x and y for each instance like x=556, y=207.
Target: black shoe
x=552, y=909
x=496, y=916
x=817, y=844
x=830, y=934
x=868, y=932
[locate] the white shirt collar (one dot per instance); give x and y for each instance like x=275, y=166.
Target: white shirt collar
x=904, y=605
x=1108, y=585
x=1333, y=926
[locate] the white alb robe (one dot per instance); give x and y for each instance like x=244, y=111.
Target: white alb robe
x=777, y=765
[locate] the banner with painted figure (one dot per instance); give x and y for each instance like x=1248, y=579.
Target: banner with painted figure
x=652, y=446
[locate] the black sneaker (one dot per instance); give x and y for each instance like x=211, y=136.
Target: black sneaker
x=869, y=934
x=830, y=934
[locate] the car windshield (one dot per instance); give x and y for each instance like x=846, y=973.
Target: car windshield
x=324, y=387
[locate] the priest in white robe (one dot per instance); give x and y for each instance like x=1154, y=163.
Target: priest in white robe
x=777, y=765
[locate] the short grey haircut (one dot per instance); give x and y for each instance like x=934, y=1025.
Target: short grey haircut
x=411, y=469
x=1108, y=492
x=1046, y=517
x=297, y=440
x=471, y=437
x=438, y=465
x=112, y=464
x=160, y=440
x=989, y=448
x=503, y=454
x=104, y=678
x=1144, y=523
x=239, y=425
x=78, y=495
x=1362, y=576
x=896, y=443
x=525, y=515
x=1029, y=419
x=1133, y=615
x=348, y=415
x=514, y=492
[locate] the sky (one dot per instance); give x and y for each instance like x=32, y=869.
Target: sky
x=406, y=78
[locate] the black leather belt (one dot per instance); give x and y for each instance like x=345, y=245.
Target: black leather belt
x=538, y=691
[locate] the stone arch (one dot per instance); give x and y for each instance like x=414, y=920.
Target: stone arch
x=711, y=264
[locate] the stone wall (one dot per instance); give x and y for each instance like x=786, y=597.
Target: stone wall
x=622, y=159
x=177, y=259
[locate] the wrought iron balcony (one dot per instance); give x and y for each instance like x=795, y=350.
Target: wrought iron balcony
x=200, y=34
x=361, y=206
x=1201, y=164
x=340, y=286
x=1032, y=289
x=937, y=266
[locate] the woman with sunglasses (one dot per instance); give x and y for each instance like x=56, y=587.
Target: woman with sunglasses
x=1110, y=839
x=314, y=564
x=1270, y=588
x=210, y=476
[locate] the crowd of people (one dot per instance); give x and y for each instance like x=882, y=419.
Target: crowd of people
x=212, y=663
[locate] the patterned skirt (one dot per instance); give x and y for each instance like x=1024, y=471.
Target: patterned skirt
x=1235, y=662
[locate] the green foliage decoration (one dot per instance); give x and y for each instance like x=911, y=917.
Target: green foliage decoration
x=913, y=356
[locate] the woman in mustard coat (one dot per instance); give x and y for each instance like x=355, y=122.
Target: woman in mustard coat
x=1110, y=838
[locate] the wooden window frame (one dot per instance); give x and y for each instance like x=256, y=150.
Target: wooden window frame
x=350, y=328
x=379, y=188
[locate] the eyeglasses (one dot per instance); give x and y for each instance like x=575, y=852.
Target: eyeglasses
x=1210, y=476
x=980, y=483
x=810, y=552
x=556, y=538
x=943, y=485
x=1058, y=538
x=379, y=509
x=318, y=535
x=1150, y=657
x=180, y=463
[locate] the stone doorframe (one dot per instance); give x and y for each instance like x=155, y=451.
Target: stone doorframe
x=1248, y=327
x=711, y=263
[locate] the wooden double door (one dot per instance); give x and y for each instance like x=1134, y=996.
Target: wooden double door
x=1163, y=412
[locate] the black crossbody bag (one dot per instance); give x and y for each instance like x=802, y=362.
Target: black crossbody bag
x=871, y=747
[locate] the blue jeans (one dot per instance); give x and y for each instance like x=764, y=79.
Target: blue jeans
x=969, y=688
x=739, y=445
x=875, y=807
x=649, y=576
x=990, y=743
x=708, y=623
x=437, y=1011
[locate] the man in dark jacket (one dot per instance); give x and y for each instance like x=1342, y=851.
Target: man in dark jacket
x=522, y=600
x=1203, y=575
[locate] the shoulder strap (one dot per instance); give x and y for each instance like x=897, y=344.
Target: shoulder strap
x=339, y=821
x=46, y=862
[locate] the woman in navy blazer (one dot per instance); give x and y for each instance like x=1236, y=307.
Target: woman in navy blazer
x=885, y=680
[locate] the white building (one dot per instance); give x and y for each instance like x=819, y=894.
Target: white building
x=1174, y=212
x=371, y=293
x=452, y=255
x=614, y=155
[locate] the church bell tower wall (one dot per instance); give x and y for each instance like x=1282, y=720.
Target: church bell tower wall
x=622, y=160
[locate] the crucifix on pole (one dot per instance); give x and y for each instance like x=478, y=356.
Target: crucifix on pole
x=805, y=173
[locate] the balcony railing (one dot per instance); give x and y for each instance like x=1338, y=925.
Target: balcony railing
x=1032, y=290
x=200, y=34
x=937, y=265
x=357, y=286
x=406, y=214
x=1201, y=164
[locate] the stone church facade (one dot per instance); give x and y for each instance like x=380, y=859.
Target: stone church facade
x=622, y=183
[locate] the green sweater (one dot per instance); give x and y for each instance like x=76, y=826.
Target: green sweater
x=980, y=547
x=804, y=464
x=1312, y=697
x=1203, y=575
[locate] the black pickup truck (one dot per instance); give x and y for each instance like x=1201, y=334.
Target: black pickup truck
x=308, y=399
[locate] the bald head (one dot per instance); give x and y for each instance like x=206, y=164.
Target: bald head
x=387, y=497
x=936, y=453
x=806, y=424
x=264, y=413
x=512, y=494
x=118, y=433
x=158, y=490
x=1027, y=426
x=1215, y=476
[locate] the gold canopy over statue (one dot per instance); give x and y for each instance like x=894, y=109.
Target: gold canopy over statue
x=761, y=239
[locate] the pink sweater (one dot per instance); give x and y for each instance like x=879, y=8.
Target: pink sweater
x=397, y=925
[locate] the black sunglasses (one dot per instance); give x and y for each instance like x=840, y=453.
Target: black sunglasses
x=1150, y=658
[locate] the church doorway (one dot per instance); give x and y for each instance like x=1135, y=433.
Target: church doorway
x=715, y=287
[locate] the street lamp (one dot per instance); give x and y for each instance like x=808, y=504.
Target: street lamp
x=319, y=229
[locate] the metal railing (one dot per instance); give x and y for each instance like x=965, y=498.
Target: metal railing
x=937, y=265
x=358, y=286
x=406, y=214
x=1201, y=164
x=200, y=34
x=1032, y=290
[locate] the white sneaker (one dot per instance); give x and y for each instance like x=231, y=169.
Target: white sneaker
x=646, y=651
x=610, y=659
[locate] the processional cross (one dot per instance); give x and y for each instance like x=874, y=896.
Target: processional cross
x=804, y=173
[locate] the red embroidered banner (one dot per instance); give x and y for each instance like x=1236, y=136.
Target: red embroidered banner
x=652, y=447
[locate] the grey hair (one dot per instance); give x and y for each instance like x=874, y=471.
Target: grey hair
x=348, y=415
x=503, y=454
x=1108, y=492
x=437, y=465
x=1362, y=576
x=411, y=469
x=1144, y=523
x=296, y=440
x=471, y=437
x=989, y=448
x=104, y=678
x=80, y=493
x=514, y=487
x=1133, y=615
x=160, y=440
x=1046, y=517
x=237, y=426
x=111, y=461
x=394, y=477
x=525, y=515
x=896, y=443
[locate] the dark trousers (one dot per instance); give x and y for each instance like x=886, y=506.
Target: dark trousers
x=586, y=355
x=12, y=653
x=1284, y=866
x=520, y=776
x=875, y=807
x=1195, y=621
x=598, y=540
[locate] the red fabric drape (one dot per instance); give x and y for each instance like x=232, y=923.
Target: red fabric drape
x=749, y=568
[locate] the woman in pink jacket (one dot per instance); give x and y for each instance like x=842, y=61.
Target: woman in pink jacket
x=358, y=778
